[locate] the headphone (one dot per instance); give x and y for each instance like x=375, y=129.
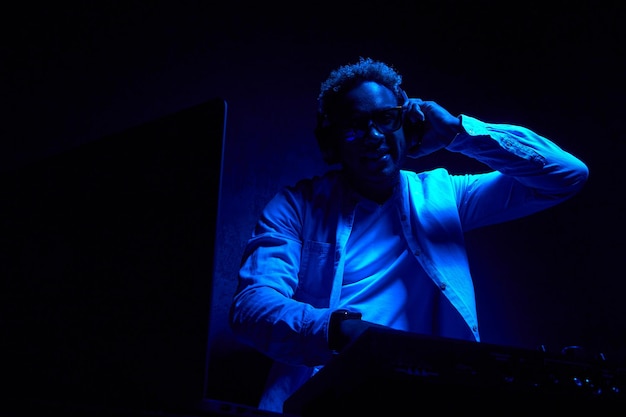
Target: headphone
x=329, y=145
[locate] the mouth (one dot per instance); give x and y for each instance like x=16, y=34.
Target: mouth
x=381, y=158
x=376, y=161
x=380, y=154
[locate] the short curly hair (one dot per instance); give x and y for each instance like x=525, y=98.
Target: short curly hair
x=346, y=77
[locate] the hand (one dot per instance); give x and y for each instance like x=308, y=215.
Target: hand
x=350, y=330
x=440, y=127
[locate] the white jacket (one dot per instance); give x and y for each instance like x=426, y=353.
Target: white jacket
x=291, y=272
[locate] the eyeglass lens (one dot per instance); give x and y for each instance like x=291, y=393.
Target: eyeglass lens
x=385, y=121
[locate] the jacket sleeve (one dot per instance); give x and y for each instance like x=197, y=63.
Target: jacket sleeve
x=529, y=173
x=263, y=313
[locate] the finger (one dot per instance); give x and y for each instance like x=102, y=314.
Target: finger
x=405, y=98
x=416, y=114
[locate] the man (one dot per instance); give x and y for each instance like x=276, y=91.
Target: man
x=371, y=244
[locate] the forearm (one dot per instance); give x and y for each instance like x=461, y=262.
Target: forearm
x=282, y=328
x=515, y=151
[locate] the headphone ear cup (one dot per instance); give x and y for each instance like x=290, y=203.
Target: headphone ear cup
x=413, y=132
x=326, y=142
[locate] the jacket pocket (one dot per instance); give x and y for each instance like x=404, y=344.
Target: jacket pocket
x=316, y=273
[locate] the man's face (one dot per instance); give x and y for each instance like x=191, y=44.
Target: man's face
x=371, y=141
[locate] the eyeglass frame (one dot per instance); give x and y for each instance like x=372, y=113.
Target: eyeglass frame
x=362, y=132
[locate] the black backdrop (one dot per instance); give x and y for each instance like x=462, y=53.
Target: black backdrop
x=74, y=73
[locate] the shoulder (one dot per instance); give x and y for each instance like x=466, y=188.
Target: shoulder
x=425, y=176
x=309, y=189
x=322, y=183
x=437, y=180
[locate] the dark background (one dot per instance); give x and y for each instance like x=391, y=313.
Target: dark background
x=74, y=73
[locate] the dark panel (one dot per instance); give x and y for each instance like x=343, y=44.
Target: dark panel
x=106, y=259
x=388, y=372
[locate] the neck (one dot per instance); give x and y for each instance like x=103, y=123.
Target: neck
x=378, y=192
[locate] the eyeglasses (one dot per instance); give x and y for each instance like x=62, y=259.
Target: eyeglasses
x=385, y=121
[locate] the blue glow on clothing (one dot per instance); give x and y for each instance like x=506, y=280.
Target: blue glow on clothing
x=384, y=281
x=294, y=266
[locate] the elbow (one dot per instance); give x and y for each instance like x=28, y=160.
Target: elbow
x=578, y=177
x=236, y=318
x=569, y=177
x=567, y=181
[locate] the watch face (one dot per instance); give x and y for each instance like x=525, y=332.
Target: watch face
x=336, y=339
x=345, y=315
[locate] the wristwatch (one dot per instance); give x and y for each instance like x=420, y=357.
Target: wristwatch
x=336, y=340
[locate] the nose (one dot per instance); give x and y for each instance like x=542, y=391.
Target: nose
x=373, y=135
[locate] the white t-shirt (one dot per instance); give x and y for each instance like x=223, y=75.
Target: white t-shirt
x=382, y=278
